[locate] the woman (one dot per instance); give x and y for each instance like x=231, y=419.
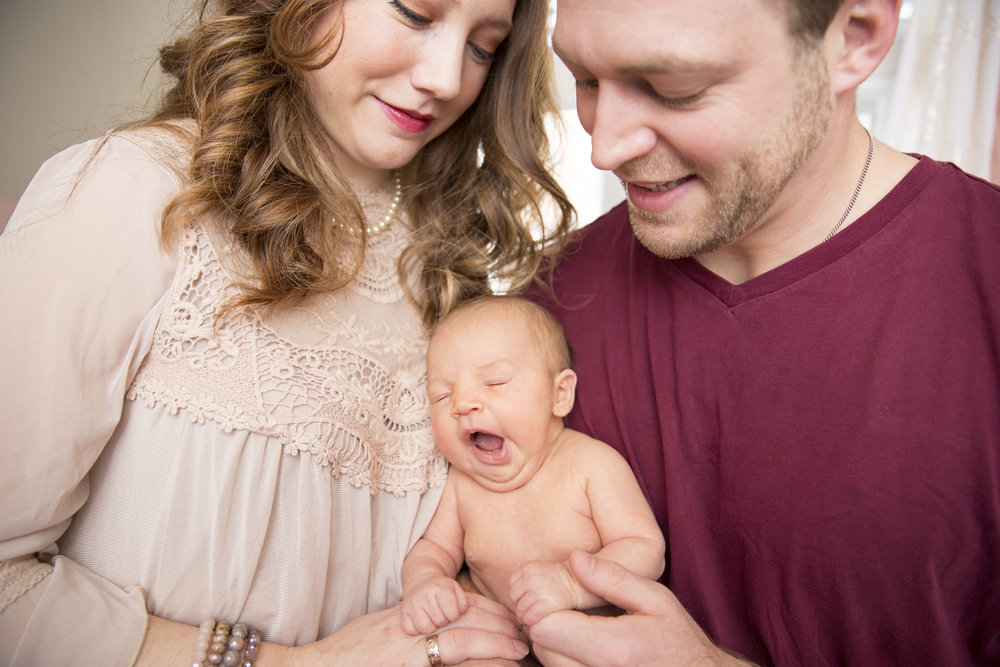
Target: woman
x=214, y=322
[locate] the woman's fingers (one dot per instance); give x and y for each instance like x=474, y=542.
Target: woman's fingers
x=485, y=614
x=486, y=604
x=486, y=631
x=457, y=645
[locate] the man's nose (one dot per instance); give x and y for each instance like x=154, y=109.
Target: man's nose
x=617, y=122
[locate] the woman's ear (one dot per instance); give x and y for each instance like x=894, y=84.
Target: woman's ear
x=858, y=39
x=565, y=392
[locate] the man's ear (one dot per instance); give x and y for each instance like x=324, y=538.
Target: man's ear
x=565, y=392
x=858, y=39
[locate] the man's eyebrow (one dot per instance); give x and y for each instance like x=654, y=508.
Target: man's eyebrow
x=658, y=64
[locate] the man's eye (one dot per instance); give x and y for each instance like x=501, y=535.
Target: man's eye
x=416, y=19
x=670, y=99
x=679, y=102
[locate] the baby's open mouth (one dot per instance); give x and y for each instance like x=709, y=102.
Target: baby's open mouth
x=486, y=442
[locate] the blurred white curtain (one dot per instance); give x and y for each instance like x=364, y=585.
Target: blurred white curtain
x=942, y=99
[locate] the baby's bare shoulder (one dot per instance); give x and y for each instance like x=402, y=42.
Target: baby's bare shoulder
x=585, y=451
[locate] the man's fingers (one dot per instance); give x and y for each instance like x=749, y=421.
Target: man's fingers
x=616, y=584
x=561, y=634
x=534, y=613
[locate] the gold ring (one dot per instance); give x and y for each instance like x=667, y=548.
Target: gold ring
x=433, y=652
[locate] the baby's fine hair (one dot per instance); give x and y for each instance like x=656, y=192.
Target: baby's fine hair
x=544, y=325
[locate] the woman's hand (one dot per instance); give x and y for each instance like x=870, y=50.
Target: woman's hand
x=486, y=632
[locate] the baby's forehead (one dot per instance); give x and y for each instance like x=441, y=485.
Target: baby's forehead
x=495, y=316
x=512, y=324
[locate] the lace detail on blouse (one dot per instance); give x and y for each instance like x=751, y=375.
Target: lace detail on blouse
x=340, y=378
x=18, y=576
x=378, y=279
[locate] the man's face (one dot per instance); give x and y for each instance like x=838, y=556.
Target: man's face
x=706, y=109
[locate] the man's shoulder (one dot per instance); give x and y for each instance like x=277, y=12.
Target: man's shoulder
x=949, y=185
x=611, y=230
x=595, y=246
x=590, y=264
x=950, y=211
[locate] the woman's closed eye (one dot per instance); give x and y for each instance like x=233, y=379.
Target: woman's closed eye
x=484, y=54
x=412, y=17
x=481, y=54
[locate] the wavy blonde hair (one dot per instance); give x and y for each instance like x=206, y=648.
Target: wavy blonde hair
x=261, y=160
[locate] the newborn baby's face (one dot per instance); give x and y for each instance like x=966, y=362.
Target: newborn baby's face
x=492, y=396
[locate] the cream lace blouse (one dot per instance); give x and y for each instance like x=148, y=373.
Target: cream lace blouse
x=274, y=470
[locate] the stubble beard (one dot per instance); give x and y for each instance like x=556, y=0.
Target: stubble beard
x=739, y=196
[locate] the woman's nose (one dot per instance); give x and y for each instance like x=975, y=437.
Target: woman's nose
x=439, y=70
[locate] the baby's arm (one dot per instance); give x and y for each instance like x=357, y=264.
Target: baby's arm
x=431, y=596
x=629, y=535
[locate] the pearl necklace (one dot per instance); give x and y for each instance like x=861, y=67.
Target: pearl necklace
x=373, y=230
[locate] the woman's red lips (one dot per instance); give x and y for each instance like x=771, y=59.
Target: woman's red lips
x=407, y=119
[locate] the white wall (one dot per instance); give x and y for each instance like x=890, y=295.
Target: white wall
x=70, y=69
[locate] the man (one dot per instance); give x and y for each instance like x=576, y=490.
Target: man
x=795, y=345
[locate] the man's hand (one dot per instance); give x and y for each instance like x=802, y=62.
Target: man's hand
x=655, y=630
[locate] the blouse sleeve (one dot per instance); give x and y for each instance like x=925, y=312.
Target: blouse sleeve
x=82, y=279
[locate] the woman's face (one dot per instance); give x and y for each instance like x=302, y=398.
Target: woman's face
x=405, y=71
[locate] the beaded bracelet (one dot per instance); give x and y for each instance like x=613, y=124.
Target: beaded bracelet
x=225, y=645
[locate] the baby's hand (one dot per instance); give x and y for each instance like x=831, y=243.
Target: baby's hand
x=539, y=588
x=433, y=603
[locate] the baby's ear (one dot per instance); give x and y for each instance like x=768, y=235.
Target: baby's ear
x=565, y=392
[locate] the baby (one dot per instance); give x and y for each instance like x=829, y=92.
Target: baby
x=523, y=491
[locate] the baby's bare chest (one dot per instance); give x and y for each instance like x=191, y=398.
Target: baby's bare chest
x=512, y=529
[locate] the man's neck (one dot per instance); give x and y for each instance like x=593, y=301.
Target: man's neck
x=808, y=209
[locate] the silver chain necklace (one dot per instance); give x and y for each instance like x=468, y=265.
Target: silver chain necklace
x=857, y=190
